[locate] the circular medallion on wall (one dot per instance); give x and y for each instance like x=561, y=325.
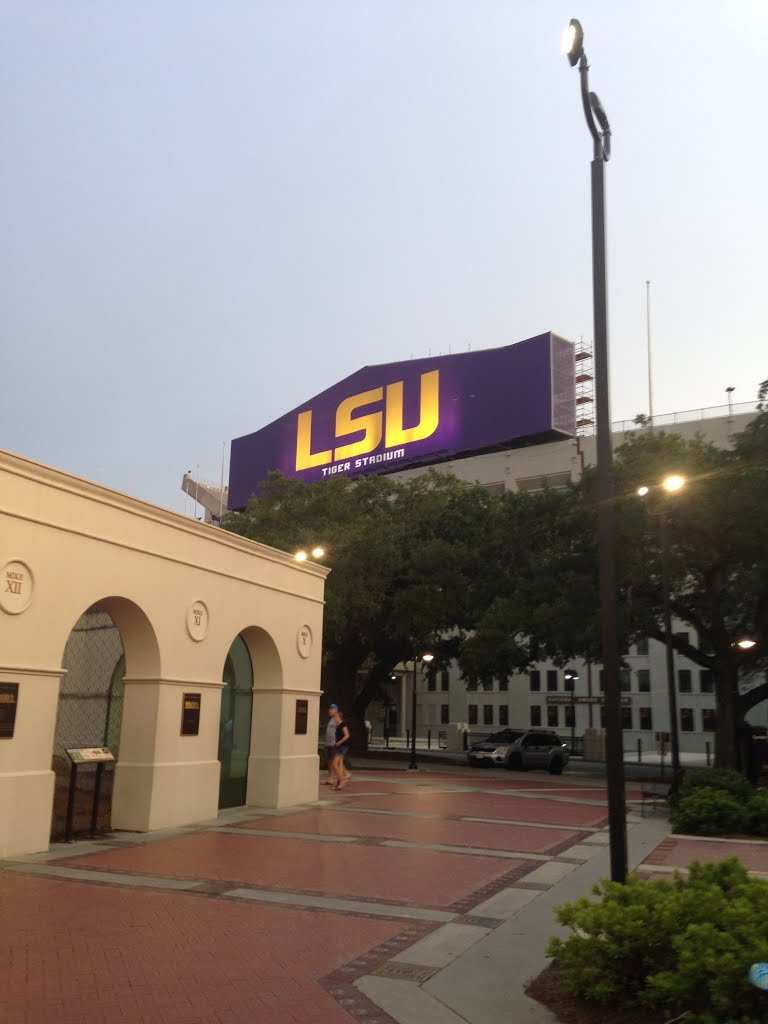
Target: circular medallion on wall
x=197, y=620
x=16, y=586
x=304, y=641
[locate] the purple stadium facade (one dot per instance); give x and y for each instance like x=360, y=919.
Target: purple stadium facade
x=394, y=416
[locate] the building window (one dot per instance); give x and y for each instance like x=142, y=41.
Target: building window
x=646, y=719
x=626, y=716
x=431, y=682
x=444, y=715
x=487, y=714
x=602, y=716
x=686, y=719
x=503, y=685
x=567, y=683
x=569, y=716
x=683, y=636
x=641, y=647
x=684, y=684
x=644, y=680
x=625, y=680
x=553, y=716
x=503, y=714
x=472, y=714
x=444, y=680
x=708, y=719
x=535, y=714
x=706, y=681
x=602, y=680
x=551, y=680
x=534, y=681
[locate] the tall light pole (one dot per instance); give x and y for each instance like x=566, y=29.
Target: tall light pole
x=671, y=484
x=427, y=658
x=570, y=676
x=600, y=130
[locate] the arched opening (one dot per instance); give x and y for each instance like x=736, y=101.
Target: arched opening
x=111, y=639
x=89, y=715
x=235, y=724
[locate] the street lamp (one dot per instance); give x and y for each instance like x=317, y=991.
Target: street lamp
x=426, y=658
x=671, y=484
x=570, y=676
x=302, y=556
x=600, y=130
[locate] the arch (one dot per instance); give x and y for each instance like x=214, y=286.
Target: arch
x=137, y=634
x=108, y=637
x=235, y=719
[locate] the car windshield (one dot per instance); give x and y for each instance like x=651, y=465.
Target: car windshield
x=505, y=736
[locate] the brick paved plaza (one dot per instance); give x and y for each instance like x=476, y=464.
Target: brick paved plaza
x=299, y=916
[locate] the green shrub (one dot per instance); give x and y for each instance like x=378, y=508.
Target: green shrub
x=725, y=779
x=681, y=946
x=756, y=813
x=708, y=812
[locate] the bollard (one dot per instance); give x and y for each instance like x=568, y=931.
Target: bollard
x=639, y=750
x=407, y=737
x=709, y=753
x=429, y=739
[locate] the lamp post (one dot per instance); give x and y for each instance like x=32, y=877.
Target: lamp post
x=600, y=130
x=427, y=658
x=570, y=676
x=671, y=484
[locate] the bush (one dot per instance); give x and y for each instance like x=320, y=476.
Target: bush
x=724, y=779
x=708, y=812
x=684, y=946
x=756, y=813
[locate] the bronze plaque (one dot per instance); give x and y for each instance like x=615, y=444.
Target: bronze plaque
x=190, y=714
x=9, y=699
x=302, y=716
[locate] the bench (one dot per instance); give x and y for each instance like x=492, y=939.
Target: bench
x=653, y=793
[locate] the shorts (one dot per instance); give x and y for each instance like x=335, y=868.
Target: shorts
x=331, y=752
x=342, y=751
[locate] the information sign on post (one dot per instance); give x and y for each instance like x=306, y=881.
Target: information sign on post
x=90, y=755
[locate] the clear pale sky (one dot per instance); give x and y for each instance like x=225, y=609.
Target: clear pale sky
x=211, y=210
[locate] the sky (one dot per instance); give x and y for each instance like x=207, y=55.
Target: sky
x=212, y=210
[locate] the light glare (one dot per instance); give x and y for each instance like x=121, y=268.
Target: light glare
x=642, y=491
x=746, y=645
x=427, y=657
x=674, y=483
x=301, y=556
x=569, y=38
x=317, y=552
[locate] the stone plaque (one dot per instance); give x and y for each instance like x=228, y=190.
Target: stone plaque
x=9, y=699
x=197, y=620
x=302, y=716
x=190, y=714
x=16, y=586
x=304, y=641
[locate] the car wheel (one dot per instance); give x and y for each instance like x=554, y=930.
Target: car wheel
x=515, y=763
x=556, y=766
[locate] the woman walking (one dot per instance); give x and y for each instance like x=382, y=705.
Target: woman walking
x=342, y=747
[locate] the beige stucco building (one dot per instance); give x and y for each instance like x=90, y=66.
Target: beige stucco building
x=216, y=654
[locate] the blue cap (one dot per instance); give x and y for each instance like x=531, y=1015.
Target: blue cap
x=334, y=707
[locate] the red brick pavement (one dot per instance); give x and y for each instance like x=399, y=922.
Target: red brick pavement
x=73, y=952
x=352, y=871
x=680, y=851
x=484, y=805
x=501, y=836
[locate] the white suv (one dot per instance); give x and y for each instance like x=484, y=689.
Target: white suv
x=521, y=749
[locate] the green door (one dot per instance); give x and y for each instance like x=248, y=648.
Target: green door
x=235, y=725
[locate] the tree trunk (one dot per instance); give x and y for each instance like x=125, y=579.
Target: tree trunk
x=726, y=724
